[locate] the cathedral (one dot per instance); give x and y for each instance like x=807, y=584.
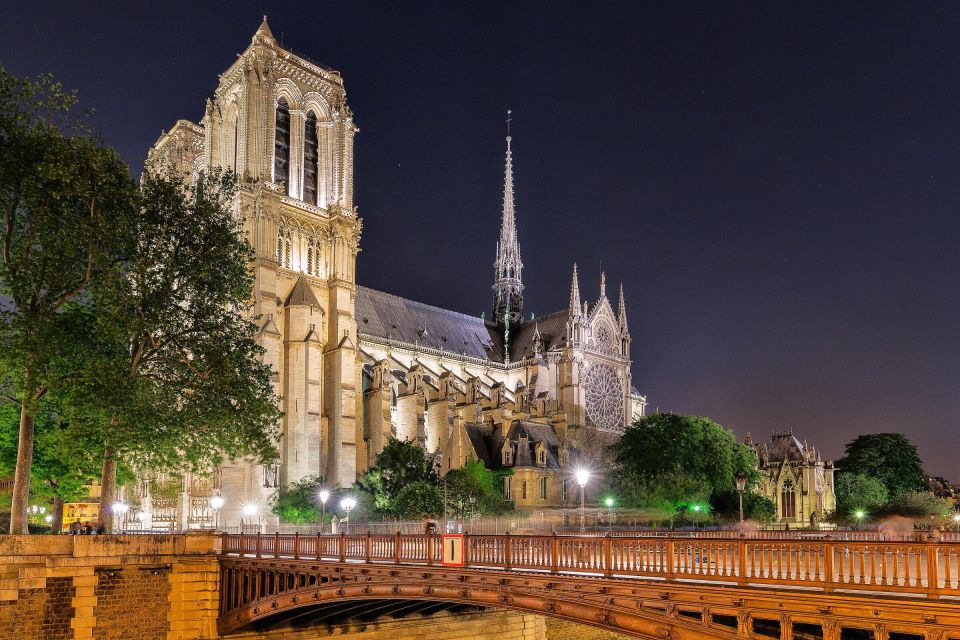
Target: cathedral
x=355, y=366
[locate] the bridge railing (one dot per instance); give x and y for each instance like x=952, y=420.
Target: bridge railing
x=930, y=568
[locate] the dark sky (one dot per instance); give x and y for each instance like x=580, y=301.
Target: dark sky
x=776, y=184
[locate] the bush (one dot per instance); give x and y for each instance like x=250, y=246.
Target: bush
x=419, y=499
x=299, y=502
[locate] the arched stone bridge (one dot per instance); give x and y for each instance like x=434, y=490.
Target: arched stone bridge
x=641, y=586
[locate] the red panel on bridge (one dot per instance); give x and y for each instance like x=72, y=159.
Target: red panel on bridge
x=452, y=550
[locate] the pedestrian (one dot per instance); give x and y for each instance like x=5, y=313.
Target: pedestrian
x=334, y=525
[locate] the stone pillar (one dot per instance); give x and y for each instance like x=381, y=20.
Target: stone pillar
x=377, y=410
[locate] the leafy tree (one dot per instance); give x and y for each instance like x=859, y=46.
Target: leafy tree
x=889, y=457
x=299, y=502
x=756, y=507
x=474, y=490
x=917, y=504
x=173, y=366
x=666, y=461
x=66, y=207
x=400, y=464
x=858, y=492
x=419, y=499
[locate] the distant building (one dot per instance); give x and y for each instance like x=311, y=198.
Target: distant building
x=86, y=509
x=795, y=479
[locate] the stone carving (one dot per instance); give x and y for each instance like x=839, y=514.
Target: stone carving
x=604, y=395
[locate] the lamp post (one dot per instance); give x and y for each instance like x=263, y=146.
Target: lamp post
x=741, y=483
x=347, y=504
x=250, y=510
x=956, y=521
x=859, y=516
x=582, y=476
x=696, y=510
x=216, y=503
x=118, y=509
x=609, y=503
x=324, y=496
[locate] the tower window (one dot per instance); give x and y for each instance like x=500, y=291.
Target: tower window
x=281, y=145
x=543, y=488
x=283, y=248
x=788, y=504
x=310, y=156
x=523, y=490
x=507, y=488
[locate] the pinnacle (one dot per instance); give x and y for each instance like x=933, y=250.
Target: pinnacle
x=264, y=30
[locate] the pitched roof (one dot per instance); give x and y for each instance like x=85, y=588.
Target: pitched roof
x=388, y=316
x=301, y=295
x=553, y=331
x=785, y=446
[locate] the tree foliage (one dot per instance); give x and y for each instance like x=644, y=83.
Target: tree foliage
x=667, y=462
x=419, y=499
x=889, y=457
x=299, y=502
x=917, y=504
x=473, y=490
x=858, y=492
x=66, y=207
x=400, y=464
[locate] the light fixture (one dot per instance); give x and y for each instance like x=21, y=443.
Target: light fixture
x=250, y=509
x=324, y=495
x=119, y=508
x=216, y=502
x=582, y=476
x=347, y=504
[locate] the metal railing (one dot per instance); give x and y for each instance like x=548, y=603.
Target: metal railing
x=927, y=568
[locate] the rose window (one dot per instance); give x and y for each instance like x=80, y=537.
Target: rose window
x=604, y=393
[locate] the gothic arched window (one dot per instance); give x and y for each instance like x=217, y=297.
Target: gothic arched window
x=788, y=501
x=310, y=157
x=281, y=145
x=283, y=248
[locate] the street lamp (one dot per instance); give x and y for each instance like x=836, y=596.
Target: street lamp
x=216, y=503
x=741, y=483
x=582, y=476
x=609, y=502
x=956, y=520
x=347, y=504
x=249, y=510
x=859, y=516
x=324, y=496
x=119, y=508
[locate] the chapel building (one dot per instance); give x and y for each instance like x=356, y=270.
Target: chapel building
x=355, y=366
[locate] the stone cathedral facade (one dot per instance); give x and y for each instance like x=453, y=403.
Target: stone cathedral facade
x=355, y=366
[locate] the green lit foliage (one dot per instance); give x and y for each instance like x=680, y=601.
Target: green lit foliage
x=667, y=462
x=473, y=490
x=889, y=457
x=858, y=493
x=419, y=499
x=299, y=502
x=399, y=465
x=918, y=504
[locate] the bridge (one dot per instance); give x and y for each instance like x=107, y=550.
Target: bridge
x=860, y=586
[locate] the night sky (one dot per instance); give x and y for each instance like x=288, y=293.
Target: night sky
x=776, y=185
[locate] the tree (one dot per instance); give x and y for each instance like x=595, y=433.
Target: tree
x=173, y=366
x=858, y=492
x=474, y=490
x=299, y=502
x=419, y=499
x=889, y=457
x=400, y=464
x=66, y=207
x=917, y=504
x=671, y=460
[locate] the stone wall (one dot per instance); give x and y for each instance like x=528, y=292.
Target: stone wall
x=108, y=587
x=486, y=625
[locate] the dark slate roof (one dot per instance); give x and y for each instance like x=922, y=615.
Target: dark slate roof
x=388, y=316
x=481, y=437
x=553, y=331
x=785, y=446
x=301, y=294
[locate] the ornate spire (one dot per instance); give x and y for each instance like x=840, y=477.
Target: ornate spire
x=622, y=311
x=574, y=294
x=264, y=31
x=508, y=283
x=603, y=284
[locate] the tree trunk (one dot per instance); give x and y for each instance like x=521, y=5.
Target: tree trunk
x=56, y=525
x=108, y=489
x=21, y=478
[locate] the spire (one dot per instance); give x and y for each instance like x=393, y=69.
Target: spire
x=263, y=31
x=603, y=284
x=508, y=286
x=574, y=294
x=622, y=311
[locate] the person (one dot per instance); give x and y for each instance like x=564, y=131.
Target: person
x=335, y=525
x=75, y=527
x=87, y=529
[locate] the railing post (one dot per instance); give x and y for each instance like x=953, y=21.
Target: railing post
x=828, y=567
x=296, y=545
x=466, y=549
x=276, y=544
x=607, y=555
x=554, y=553
x=396, y=549
x=429, y=549
x=933, y=569
x=368, y=546
x=258, y=543
x=670, y=562
x=319, y=540
x=742, y=560
x=343, y=546
x=506, y=550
